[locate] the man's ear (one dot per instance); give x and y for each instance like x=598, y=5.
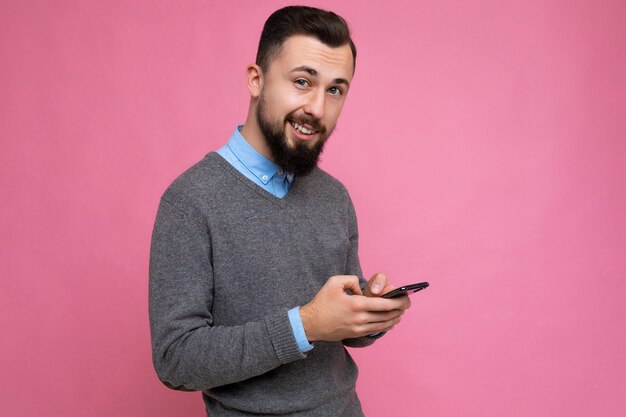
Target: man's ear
x=255, y=80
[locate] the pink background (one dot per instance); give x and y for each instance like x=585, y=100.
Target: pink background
x=483, y=143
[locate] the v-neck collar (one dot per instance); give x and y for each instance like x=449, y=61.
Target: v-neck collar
x=281, y=202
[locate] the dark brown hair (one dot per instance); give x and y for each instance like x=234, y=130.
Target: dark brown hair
x=328, y=27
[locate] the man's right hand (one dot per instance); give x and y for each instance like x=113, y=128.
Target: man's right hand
x=333, y=315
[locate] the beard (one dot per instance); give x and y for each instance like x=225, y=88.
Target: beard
x=300, y=158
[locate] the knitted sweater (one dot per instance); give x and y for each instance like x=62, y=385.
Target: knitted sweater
x=228, y=260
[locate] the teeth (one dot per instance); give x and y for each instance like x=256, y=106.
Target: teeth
x=302, y=129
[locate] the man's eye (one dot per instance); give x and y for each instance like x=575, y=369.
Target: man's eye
x=302, y=83
x=335, y=91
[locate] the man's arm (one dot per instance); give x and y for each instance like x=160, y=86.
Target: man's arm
x=189, y=351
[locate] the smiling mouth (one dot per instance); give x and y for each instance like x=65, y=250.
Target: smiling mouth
x=301, y=129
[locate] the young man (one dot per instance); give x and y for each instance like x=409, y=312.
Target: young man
x=254, y=250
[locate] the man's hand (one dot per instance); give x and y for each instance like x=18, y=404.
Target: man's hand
x=333, y=315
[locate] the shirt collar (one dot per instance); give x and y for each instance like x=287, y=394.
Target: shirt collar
x=257, y=164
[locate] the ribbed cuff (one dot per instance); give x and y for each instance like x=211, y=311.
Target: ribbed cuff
x=283, y=340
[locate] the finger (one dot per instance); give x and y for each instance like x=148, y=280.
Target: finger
x=388, y=288
x=383, y=316
x=384, y=304
x=406, y=302
x=350, y=282
x=403, y=302
x=377, y=327
x=377, y=283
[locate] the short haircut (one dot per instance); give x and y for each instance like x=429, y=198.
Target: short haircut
x=328, y=27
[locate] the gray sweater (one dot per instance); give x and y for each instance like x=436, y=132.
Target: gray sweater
x=228, y=260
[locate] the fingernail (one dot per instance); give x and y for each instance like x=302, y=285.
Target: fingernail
x=376, y=288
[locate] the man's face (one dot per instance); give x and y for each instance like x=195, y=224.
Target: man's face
x=301, y=99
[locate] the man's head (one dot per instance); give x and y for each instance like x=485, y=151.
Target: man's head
x=298, y=85
x=327, y=27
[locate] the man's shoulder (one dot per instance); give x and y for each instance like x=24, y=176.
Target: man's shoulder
x=324, y=180
x=197, y=182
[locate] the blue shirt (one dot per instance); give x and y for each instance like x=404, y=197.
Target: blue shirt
x=273, y=179
x=260, y=170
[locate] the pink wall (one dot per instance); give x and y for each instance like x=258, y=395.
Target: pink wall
x=483, y=143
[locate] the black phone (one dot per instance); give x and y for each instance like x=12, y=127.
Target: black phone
x=405, y=289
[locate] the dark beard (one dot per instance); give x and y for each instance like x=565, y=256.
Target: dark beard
x=300, y=159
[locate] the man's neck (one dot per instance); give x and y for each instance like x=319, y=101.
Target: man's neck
x=252, y=134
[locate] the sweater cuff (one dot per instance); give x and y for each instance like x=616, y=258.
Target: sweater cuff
x=281, y=335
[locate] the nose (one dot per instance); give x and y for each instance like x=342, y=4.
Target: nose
x=315, y=104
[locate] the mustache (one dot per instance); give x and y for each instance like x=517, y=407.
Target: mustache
x=316, y=124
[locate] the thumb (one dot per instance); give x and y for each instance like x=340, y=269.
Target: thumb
x=377, y=283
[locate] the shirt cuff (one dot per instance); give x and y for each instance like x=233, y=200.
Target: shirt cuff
x=298, y=330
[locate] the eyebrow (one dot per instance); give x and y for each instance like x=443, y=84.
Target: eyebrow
x=313, y=73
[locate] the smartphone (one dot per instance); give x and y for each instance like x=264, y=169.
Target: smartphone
x=405, y=289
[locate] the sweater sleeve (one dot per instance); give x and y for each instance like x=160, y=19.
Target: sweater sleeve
x=189, y=352
x=353, y=267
